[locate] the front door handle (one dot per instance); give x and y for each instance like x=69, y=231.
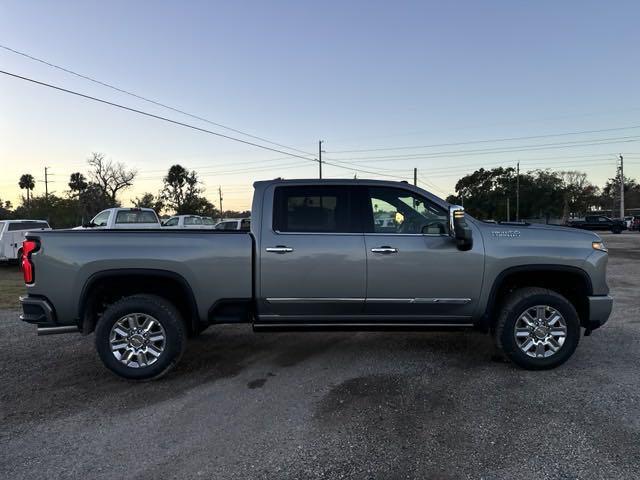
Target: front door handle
x=279, y=249
x=384, y=249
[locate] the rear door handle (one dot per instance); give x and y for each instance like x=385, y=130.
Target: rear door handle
x=279, y=249
x=384, y=249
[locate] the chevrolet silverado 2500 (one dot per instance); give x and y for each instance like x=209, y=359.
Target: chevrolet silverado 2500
x=321, y=254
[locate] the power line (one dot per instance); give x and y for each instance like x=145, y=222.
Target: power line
x=495, y=150
x=471, y=142
x=176, y=122
x=154, y=102
x=158, y=117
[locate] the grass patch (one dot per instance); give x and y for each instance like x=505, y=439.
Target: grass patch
x=11, y=286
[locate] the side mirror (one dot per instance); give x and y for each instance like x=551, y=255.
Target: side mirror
x=458, y=228
x=88, y=225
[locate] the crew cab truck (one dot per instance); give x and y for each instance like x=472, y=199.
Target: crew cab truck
x=599, y=223
x=316, y=258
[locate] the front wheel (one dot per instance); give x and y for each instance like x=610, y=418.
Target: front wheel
x=140, y=337
x=537, y=328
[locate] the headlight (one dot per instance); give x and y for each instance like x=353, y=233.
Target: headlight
x=599, y=246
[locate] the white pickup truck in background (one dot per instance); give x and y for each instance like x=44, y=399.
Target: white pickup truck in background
x=234, y=224
x=12, y=235
x=185, y=221
x=123, y=218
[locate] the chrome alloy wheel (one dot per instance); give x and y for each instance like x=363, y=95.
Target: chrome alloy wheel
x=540, y=331
x=137, y=340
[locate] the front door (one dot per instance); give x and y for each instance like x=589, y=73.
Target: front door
x=415, y=272
x=312, y=258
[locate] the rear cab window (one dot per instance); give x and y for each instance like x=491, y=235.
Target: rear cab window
x=315, y=209
x=14, y=226
x=136, y=216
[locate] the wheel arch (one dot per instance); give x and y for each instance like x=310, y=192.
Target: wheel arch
x=572, y=282
x=110, y=285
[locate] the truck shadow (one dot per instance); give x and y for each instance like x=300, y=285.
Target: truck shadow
x=69, y=376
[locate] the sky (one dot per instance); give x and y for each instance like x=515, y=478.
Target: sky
x=377, y=77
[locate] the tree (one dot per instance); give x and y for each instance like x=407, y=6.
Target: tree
x=5, y=209
x=92, y=200
x=148, y=200
x=77, y=183
x=110, y=177
x=485, y=193
x=27, y=182
x=610, y=197
x=579, y=195
x=59, y=212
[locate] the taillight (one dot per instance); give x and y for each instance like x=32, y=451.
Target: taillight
x=28, y=247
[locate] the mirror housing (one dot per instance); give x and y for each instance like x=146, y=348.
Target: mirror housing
x=458, y=228
x=88, y=225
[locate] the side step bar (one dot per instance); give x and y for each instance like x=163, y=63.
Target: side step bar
x=55, y=330
x=362, y=327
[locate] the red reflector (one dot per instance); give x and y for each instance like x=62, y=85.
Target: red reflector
x=28, y=247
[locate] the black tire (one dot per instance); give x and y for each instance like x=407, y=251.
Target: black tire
x=616, y=231
x=164, y=313
x=20, y=259
x=515, y=305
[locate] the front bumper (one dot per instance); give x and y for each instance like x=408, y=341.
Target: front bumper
x=599, y=310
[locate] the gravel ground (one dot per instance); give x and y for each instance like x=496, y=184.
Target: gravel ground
x=355, y=405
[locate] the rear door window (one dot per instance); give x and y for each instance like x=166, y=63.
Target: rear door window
x=315, y=209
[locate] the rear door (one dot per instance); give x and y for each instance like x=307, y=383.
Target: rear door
x=313, y=261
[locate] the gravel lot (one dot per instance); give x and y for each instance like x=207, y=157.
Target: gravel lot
x=364, y=405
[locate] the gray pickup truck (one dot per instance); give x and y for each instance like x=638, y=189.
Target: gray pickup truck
x=321, y=255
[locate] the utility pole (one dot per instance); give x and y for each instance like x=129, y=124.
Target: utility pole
x=415, y=176
x=518, y=192
x=508, y=216
x=220, y=195
x=621, y=187
x=46, y=183
x=320, y=142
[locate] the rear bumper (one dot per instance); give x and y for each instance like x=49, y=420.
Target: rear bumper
x=599, y=310
x=38, y=311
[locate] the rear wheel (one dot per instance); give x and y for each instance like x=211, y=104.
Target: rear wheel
x=537, y=328
x=141, y=337
x=19, y=257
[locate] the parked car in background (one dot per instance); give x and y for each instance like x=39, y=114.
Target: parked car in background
x=635, y=223
x=123, y=218
x=599, y=222
x=184, y=221
x=315, y=259
x=234, y=224
x=12, y=235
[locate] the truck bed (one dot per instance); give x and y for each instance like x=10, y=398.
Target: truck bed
x=215, y=264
